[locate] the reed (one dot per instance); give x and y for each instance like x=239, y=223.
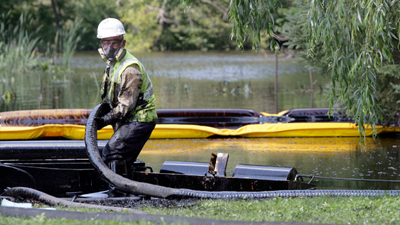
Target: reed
x=69, y=41
x=23, y=67
x=17, y=54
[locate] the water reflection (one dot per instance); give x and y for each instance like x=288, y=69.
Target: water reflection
x=181, y=80
x=230, y=80
x=323, y=157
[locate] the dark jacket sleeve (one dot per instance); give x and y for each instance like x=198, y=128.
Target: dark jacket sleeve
x=130, y=85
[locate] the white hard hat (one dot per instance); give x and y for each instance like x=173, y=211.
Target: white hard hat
x=110, y=27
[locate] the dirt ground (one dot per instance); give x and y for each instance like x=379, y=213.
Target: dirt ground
x=134, y=202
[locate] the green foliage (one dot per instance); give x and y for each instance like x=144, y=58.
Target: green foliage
x=16, y=44
x=92, y=12
x=42, y=14
x=140, y=18
x=203, y=26
x=16, y=53
x=167, y=25
x=388, y=92
x=251, y=18
x=354, y=42
x=20, y=58
x=69, y=38
x=358, y=39
x=14, y=9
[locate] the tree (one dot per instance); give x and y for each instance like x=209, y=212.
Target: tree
x=92, y=13
x=160, y=25
x=251, y=18
x=359, y=42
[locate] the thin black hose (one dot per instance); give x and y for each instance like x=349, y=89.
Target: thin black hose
x=166, y=192
x=28, y=175
x=357, y=179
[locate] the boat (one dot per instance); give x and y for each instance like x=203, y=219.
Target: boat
x=190, y=123
x=62, y=168
x=72, y=167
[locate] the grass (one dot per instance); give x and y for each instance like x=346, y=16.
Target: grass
x=42, y=220
x=336, y=210
x=333, y=210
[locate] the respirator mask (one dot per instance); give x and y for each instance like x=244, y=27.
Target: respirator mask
x=111, y=53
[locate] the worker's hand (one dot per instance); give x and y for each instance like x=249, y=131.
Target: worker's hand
x=103, y=120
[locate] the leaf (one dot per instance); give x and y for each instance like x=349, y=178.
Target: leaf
x=359, y=16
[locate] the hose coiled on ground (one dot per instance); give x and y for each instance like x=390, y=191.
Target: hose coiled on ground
x=25, y=192
x=166, y=192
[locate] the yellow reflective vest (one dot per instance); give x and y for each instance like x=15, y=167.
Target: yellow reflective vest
x=145, y=110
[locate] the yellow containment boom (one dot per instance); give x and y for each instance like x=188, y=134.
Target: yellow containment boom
x=187, y=123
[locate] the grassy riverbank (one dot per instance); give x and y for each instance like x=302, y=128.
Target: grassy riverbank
x=332, y=210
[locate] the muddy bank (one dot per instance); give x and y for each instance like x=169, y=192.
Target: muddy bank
x=134, y=202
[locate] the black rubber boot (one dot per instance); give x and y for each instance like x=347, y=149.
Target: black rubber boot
x=119, y=167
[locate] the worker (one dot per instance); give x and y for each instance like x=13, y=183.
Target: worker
x=127, y=88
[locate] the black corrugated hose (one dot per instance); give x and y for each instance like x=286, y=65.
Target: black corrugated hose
x=166, y=192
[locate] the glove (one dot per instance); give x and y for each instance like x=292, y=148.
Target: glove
x=104, y=120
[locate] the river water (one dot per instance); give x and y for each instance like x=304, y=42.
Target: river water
x=244, y=80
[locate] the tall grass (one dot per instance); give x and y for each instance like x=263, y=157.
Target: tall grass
x=17, y=54
x=69, y=39
x=22, y=66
